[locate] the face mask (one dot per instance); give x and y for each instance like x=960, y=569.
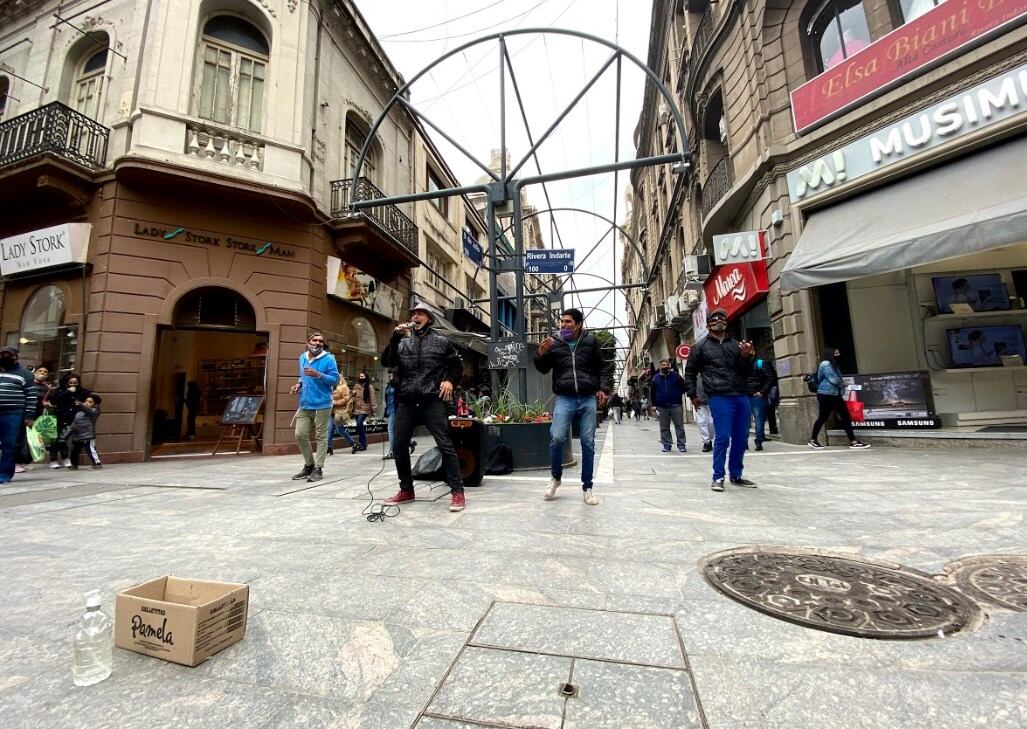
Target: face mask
x=567, y=334
x=315, y=349
x=40, y=377
x=664, y=370
x=6, y=363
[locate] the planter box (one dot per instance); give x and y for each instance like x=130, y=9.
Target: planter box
x=529, y=443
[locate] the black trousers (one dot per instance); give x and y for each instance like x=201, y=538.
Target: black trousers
x=432, y=415
x=87, y=446
x=833, y=404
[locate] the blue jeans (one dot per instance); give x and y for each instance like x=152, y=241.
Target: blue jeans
x=731, y=415
x=392, y=429
x=568, y=410
x=10, y=428
x=334, y=429
x=361, y=433
x=759, y=412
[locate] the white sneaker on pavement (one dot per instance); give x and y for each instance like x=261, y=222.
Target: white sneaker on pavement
x=67, y=463
x=550, y=493
x=590, y=498
x=55, y=464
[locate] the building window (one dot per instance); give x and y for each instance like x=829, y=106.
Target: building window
x=89, y=84
x=356, y=135
x=437, y=270
x=5, y=90
x=837, y=31
x=234, y=68
x=435, y=183
x=44, y=338
x=913, y=9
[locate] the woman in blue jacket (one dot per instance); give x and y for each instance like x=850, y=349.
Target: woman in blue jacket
x=830, y=388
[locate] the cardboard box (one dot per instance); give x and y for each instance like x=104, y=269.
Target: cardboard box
x=182, y=621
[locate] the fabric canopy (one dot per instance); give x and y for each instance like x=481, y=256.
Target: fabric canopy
x=970, y=205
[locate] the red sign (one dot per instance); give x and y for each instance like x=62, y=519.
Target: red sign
x=736, y=287
x=905, y=51
x=683, y=351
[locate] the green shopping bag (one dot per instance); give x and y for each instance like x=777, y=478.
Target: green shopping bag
x=36, y=445
x=46, y=426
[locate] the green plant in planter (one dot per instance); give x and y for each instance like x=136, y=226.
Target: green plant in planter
x=506, y=408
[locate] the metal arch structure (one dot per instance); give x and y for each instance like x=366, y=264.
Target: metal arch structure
x=505, y=188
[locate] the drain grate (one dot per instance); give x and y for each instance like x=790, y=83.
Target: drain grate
x=999, y=580
x=838, y=594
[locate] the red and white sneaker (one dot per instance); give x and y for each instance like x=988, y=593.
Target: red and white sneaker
x=401, y=497
x=457, y=502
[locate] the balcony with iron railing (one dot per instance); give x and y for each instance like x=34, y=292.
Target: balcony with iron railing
x=380, y=239
x=56, y=129
x=718, y=182
x=703, y=33
x=388, y=217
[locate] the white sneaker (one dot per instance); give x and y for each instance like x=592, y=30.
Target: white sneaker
x=20, y=469
x=590, y=498
x=55, y=464
x=67, y=463
x=550, y=493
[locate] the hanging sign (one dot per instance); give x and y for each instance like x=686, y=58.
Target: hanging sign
x=743, y=247
x=45, y=248
x=683, y=351
x=548, y=260
x=473, y=249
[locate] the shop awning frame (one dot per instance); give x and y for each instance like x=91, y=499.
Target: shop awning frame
x=974, y=204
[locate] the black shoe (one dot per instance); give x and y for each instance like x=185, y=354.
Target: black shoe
x=73, y=467
x=302, y=475
x=413, y=445
x=717, y=484
x=388, y=456
x=759, y=445
x=97, y=465
x=814, y=444
x=744, y=483
x=331, y=451
x=315, y=475
x=355, y=449
x=707, y=447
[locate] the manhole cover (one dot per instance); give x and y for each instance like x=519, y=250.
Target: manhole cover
x=838, y=594
x=999, y=579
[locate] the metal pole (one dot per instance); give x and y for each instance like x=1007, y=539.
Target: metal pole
x=490, y=222
x=519, y=325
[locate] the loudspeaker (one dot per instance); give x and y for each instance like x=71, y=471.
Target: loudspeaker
x=469, y=440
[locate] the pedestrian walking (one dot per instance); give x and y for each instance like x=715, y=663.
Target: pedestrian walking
x=830, y=389
x=342, y=415
x=365, y=403
x=759, y=384
x=83, y=432
x=18, y=396
x=390, y=415
x=725, y=365
x=192, y=408
x=646, y=408
x=703, y=418
x=581, y=379
x=636, y=408
x=318, y=377
x=616, y=407
x=64, y=404
x=427, y=367
x=668, y=390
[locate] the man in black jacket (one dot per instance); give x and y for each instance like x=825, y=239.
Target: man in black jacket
x=427, y=366
x=580, y=376
x=17, y=408
x=725, y=366
x=762, y=380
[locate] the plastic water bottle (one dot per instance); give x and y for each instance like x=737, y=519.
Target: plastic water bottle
x=94, y=644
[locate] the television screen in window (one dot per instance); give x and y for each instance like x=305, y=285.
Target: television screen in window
x=983, y=292
x=985, y=346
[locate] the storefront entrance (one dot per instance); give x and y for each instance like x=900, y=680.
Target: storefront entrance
x=210, y=356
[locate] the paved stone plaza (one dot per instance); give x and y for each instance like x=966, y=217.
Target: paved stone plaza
x=436, y=620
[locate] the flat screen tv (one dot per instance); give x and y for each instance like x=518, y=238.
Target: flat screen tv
x=985, y=346
x=983, y=292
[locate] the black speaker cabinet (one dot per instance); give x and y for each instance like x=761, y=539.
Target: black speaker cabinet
x=468, y=436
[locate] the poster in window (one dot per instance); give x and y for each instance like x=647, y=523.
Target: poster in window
x=242, y=410
x=893, y=400
x=348, y=282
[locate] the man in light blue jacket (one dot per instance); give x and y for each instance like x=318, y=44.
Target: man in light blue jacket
x=318, y=377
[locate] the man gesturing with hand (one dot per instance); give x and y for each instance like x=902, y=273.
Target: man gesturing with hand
x=427, y=366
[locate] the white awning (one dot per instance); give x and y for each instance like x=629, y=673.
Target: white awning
x=970, y=205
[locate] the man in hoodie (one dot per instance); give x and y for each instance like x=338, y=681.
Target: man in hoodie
x=582, y=379
x=668, y=392
x=427, y=368
x=17, y=408
x=318, y=377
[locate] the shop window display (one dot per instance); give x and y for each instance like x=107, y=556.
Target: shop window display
x=44, y=337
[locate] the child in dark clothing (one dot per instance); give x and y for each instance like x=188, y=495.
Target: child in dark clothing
x=83, y=431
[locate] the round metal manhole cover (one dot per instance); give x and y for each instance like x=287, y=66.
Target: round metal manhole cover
x=839, y=594
x=999, y=580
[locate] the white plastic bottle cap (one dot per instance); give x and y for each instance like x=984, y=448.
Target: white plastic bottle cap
x=93, y=599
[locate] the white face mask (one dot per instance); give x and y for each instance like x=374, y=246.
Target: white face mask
x=315, y=349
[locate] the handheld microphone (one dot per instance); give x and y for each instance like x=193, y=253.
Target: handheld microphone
x=411, y=325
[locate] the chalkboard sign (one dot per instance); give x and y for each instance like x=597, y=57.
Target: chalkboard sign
x=510, y=355
x=242, y=410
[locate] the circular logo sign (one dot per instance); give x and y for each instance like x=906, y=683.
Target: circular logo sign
x=683, y=351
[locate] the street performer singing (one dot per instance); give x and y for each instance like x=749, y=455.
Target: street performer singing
x=427, y=367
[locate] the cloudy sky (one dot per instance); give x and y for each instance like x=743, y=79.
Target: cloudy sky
x=461, y=95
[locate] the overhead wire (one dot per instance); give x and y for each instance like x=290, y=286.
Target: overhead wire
x=444, y=22
x=473, y=32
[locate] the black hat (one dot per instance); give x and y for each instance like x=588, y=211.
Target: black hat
x=9, y=350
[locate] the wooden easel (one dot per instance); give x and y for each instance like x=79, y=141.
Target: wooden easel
x=240, y=421
x=253, y=430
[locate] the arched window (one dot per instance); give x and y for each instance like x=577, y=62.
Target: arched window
x=356, y=135
x=88, y=85
x=5, y=89
x=838, y=30
x=913, y=9
x=44, y=338
x=212, y=307
x=44, y=313
x=365, y=339
x=234, y=69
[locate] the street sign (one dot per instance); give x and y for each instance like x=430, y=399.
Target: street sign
x=683, y=351
x=743, y=247
x=549, y=261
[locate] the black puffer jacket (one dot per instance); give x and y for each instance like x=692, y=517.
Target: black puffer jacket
x=761, y=379
x=422, y=361
x=723, y=368
x=581, y=371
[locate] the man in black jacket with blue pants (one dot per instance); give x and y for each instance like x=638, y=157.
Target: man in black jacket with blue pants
x=580, y=376
x=725, y=366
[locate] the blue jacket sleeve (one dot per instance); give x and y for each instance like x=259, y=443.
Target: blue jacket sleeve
x=829, y=373
x=330, y=374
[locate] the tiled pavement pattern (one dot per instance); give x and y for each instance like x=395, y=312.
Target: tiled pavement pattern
x=449, y=621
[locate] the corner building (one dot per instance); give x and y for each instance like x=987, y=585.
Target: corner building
x=878, y=146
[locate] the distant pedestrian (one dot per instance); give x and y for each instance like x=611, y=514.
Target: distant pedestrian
x=18, y=395
x=703, y=418
x=192, y=408
x=725, y=366
x=646, y=408
x=64, y=403
x=830, y=389
x=83, y=431
x=668, y=390
x=636, y=408
x=342, y=415
x=581, y=380
x=365, y=403
x=616, y=407
x=318, y=377
x=759, y=384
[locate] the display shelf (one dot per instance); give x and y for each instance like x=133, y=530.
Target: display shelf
x=978, y=315
x=961, y=370
x=222, y=379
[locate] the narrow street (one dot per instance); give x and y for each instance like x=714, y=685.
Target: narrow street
x=438, y=620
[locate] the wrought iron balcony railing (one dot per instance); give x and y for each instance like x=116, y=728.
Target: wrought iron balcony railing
x=54, y=128
x=388, y=217
x=718, y=182
x=702, y=35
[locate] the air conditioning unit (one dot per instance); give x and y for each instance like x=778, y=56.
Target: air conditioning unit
x=677, y=311
x=698, y=266
x=691, y=300
x=661, y=315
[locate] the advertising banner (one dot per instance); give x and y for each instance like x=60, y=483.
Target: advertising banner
x=896, y=400
x=349, y=283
